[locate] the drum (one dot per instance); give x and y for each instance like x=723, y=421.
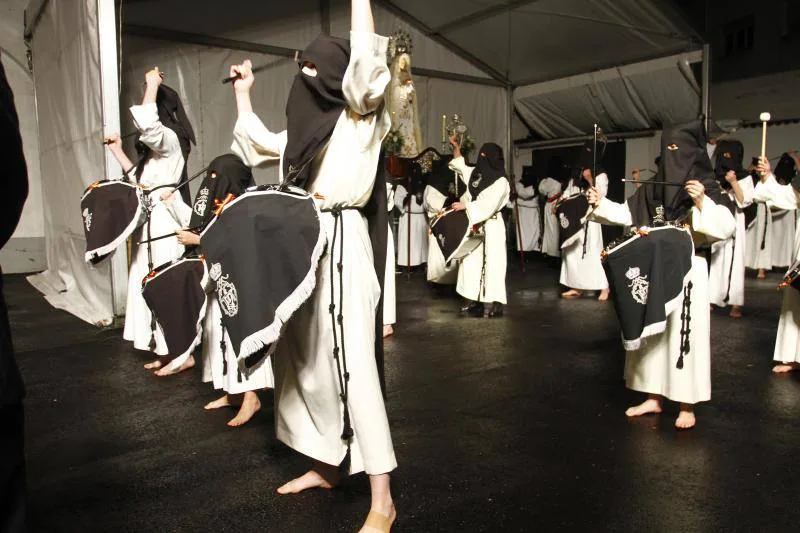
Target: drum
x=175, y=293
x=262, y=252
x=792, y=277
x=456, y=236
x=647, y=272
x=112, y=210
x=571, y=213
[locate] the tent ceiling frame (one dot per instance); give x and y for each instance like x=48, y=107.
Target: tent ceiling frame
x=483, y=14
x=280, y=51
x=422, y=27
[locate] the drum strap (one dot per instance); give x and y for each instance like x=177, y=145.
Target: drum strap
x=340, y=353
x=686, y=321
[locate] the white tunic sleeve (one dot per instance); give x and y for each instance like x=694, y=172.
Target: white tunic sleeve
x=525, y=193
x=433, y=200
x=601, y=183
x=775, y=194
x=254, y=143
x=611, y=213
x=712, y=223
x=159, y=138
x=491, y=200
x=458, y=165
x=367, y=75
x=181, y=212
x=748, y=191
x=400, y=197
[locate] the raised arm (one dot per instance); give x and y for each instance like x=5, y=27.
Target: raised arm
x=114, y=144
x=361, y=16
x=159, y=138
x=367, y=75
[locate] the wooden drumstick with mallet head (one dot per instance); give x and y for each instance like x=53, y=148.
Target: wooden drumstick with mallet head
x=764, y=117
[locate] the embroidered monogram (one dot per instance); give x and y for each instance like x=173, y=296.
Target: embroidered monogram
x=202, y=202
x=87, y=219
x=659, y=218
x=442, y=240
x=563, y=220
x=227, y=296
x=639, y=285
x=215, y=272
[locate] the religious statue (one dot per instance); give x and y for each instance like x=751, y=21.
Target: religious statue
x=401, y=97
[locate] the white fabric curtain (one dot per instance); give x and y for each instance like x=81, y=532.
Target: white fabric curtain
x=67, y=80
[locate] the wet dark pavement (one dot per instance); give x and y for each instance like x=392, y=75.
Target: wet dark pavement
x=511, y=424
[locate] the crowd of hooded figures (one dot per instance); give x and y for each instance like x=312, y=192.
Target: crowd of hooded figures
x=336, y=122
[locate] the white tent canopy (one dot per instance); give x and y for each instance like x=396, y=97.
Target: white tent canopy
x=469, y=56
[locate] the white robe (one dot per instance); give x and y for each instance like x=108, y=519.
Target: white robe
x=163, y=168
x=787, y=340
x=782, y=229
x=726, y=273
x=756, y=256
x=438, y=271
x=419, y=230
x=482, y=274
x=551, y=190
x=214, y=370
x=585, y=271
x=309, y=412
x=389, y=289
x=652, y=368
x=529, y=228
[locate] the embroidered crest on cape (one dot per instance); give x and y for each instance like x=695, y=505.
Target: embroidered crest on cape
x=227, y=296
x=563, y=220
x=639, y=285
x=215, y=271
x=442, y=239
x=87, y=219
x=659, y=218
x=477, y=181
x=202, y=202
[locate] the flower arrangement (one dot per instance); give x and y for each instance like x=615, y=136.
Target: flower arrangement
x=394, y=142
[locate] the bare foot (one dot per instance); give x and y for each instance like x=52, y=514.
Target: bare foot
x=649, y=406
x=225, y=401
x=189, y=363
x=686, y=419
x=736, y=312
x=378, y=521
x=603, y=295
x=311, y=480
x=571, y=294
x=785, y=368
x=388, y=330
x=250, y=406
x=154, y=365
x=762, y=274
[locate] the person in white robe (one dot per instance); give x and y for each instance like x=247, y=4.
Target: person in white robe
x=219, y=360
x=482, y=273
x=783, y=229
x=529, y=221
x=758, y=250
x=164, y=167
x=581, y=268
x=727, y=269
x=652, y=369
x=787, y=341
x=412, y=228
x=551, y=189
x=389, y=289
x=309, y=413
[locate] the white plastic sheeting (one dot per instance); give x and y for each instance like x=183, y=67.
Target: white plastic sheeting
x=67, y=81
x=634, y=97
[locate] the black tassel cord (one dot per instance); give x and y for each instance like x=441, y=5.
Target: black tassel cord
x=686, y=321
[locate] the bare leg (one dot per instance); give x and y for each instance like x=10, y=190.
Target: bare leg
x=321, y=476
x=382, y=513
x=785, y=368
x=603, y=295
x=250, y=406
x=736, y=311
x=652, y=405
x=189, y=363
x=686, y=418
x=388, y=330
x=762, y=274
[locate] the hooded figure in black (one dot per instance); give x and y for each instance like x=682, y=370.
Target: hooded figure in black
x=490, y=167
x=786, y=170
x=172, y=115
x=729, y=156
x=226, y=174
x=683, y=158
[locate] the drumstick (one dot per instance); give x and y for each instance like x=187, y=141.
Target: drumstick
x=182, y=183
x=231, y=79
x=765, y=117
x=131, y=134
x=654, y=182
x=196, y=229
